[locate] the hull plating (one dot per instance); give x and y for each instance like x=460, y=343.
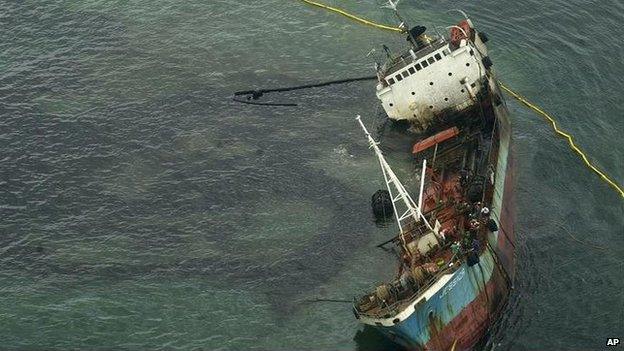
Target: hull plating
x=461, y=312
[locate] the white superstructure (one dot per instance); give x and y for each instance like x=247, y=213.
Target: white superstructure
x=435, y=75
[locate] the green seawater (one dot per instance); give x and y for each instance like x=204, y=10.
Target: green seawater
x=142, y=209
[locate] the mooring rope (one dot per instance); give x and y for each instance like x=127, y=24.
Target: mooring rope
x=515, y=95
x=327, y=300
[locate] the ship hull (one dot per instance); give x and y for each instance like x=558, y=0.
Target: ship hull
x=460, y=312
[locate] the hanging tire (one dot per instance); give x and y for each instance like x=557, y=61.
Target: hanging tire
x=475, y=191
x=487, y=62
x=484, y=38
x=491, y=225
x=472, y=258
x=381, y=202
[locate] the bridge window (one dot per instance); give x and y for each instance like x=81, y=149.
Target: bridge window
x=431, y=60
x=418, y=68
x=424, y=64
x=411, y=70
x=399, y=78
x=391, y=81
x=438, y=57
x=405, y=74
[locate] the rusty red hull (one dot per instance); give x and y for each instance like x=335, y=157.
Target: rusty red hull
x=461, y=307
x=473, y=322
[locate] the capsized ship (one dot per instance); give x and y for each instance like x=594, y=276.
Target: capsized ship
x=456, y=244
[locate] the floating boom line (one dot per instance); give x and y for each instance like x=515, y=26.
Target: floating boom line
x=612, y=183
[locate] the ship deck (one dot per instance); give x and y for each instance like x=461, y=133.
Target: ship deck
x=458, y=188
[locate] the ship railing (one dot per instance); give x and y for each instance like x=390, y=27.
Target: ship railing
x=392, y=309
x=405, y=58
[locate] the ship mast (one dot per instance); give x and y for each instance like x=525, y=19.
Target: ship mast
x=393, y=6
x=412, y=211
x=403, y=24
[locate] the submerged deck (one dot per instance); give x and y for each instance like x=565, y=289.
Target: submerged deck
x=457, y=196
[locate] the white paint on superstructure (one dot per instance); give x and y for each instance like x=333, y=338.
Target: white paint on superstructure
x=430, y=84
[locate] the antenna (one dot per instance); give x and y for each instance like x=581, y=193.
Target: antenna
x=458, y=10
x=460, y=28
x=463, y=14
x=402, y=196
x=387, y=50
x=438, y=33
x=422, y=183
x=403, y=25
x=392, y=5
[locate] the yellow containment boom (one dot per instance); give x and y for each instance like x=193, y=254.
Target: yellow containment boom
x=573, y=146
x=353, y=17
x=515, y=95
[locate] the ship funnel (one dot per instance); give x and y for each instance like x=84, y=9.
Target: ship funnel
x=417, y=37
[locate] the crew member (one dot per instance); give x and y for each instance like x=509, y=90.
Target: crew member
x=485, y=212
